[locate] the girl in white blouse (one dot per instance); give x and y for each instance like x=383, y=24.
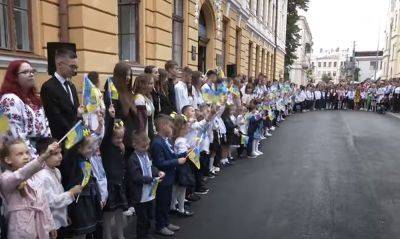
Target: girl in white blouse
x=50, y=181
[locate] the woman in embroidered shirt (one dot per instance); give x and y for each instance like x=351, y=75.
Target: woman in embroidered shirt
x=144, y=85
x=22, y=106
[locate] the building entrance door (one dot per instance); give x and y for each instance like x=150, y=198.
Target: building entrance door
x=202, y=58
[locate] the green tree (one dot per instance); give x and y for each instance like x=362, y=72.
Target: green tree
x=292, y=32
x=326, y=78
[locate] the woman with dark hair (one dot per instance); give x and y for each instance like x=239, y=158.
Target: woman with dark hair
x=153, y=70
x=125, y=108
x=20, y=103
x=197, y=82
x=144, y=85
x=160, y=94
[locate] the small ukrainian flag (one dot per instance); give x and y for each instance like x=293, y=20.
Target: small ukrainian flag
x=89, y=95
x=112, y=91
x=86, y=170
x=75, y=135
x=4, y=122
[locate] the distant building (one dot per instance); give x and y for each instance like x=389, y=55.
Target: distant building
x=329, y=62
x=391, y=59
x=301, y=67
x=369, y=63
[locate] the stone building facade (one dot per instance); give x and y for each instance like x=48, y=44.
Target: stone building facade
x=201, y=34
x=300, y=71
x=391, y=59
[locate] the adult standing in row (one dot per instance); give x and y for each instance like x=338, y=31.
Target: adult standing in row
x=59, y=96
x=161, y=99
x=144, y=85
x=22, y=106
x=125, y=108
x=183, y=89
x=172, y=68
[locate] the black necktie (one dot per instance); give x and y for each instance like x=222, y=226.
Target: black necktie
x=66, y=84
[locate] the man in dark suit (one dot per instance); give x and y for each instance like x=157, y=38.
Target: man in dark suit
x=59, y=96
x=167, y=161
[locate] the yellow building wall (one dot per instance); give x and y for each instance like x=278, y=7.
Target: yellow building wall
x=280, y=65
x=93, y=27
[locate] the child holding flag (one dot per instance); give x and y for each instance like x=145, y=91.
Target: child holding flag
x=184, y=175
x=28, y=210
x=142, y=181
x=85, y=212
x=166, y=160
x=112, y=152
x=50, y=178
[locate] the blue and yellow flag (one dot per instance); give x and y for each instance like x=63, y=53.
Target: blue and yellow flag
x=234, y=90
x=111, y=90
x=76, y=134
x=4, y=123
x=86, y=170
x=90, y=99
x=153, y=190
x=217, y=96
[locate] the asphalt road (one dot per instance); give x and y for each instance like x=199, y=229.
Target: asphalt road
x=323, y=175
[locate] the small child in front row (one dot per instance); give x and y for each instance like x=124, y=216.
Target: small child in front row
x=85, y=212
x=50, y=179
x=140, y=176
x=165, y=159
x=184, y=175
x=112, y=153
x=28, y=211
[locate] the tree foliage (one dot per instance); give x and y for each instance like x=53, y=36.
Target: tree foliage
x=325, y=78
x=292, y=31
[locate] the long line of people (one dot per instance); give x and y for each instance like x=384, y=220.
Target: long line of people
x=151, y=145
x=367, y=96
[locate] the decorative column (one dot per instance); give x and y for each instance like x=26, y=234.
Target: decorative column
x=266, y=9
x=218, y=7
x=196, y=11
x=253, y=7
x=260, y=9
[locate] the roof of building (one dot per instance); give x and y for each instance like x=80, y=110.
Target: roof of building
x=367, y=53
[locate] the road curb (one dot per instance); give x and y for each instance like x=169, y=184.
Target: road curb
x=393, y=114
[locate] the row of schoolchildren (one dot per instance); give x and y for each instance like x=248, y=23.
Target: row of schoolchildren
x=69, y=196
x=365, y=96
x=77, y=205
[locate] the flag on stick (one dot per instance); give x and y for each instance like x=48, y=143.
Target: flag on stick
x=75, y=135
x=86, y=170
x=89, y=95
x=4, y=122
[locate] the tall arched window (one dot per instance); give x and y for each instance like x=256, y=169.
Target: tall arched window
x=177, y=33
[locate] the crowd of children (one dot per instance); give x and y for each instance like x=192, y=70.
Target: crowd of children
x=84, y=190
x=378, y=96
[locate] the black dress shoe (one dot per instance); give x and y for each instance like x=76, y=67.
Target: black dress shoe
x=193, y=197
x=185, y=213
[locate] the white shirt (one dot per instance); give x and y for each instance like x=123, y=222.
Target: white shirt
x=197, y=98
x=50, y=181
x=62, y=81
x=309, y=95
x=302, y=96
x=350, y=94
x=181, y=145
x=181, y=96
x=317, y=94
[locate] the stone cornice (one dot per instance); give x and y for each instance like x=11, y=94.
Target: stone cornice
x=39, y=64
